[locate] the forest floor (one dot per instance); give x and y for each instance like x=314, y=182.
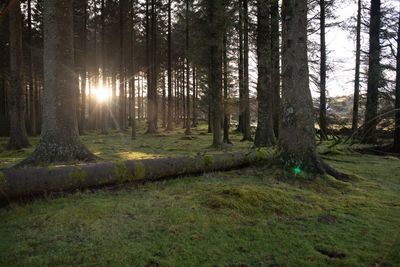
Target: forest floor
x=253, y=216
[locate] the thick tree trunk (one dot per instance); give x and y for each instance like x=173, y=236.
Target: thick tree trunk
x=397, y=105
x=17, y=94
x=265, y=135
x=322, y=82
x=60, y=137
x=356, y=100
x=215, y=67
x=246, y=91
x=16, y=183
x=275, y=54
x=297, y=139
x=374, y=74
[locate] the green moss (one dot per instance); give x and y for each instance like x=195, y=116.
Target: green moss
x=208, y=160
x=78, y=175
x=140, y=171
x=121, y=172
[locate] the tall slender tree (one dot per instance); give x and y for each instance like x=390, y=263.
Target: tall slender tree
x=188, y=121
x=265, y=131
x=17, y=94
x=170, y=122
x=240, y=68
x=397, y=104
x=275, y=75
x=214, y=14
x=246, y=91
x=226, y=138
x=356, y=98
x=322, y=70
x=59, y=140
x=374, y=74
x=29, y=57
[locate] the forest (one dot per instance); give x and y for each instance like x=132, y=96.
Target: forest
x=199, y=133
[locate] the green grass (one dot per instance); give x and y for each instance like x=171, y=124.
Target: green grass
x=119, y=146
x=248, y=217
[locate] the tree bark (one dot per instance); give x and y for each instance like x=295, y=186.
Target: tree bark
x=322, y=82
x=17, y=94
x=32, y=94
x=240, y=69
x=265, y=135
x=226, y=139
x=170, y=121
x=59, y=140
x=356, y=100
x=133, y=69
x=188, y=120
x=297, y=145
x=28, y=182
x=397, y=104
x=215, y=67
x=246, y=91
x=151, y=75
x=275, y=54
x=122, y=82
x=374, y=74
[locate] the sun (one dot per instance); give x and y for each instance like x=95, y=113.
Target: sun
x=102, y=94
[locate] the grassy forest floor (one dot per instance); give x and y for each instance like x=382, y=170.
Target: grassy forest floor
x=253, y=216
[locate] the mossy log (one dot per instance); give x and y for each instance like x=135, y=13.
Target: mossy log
x=16, y=183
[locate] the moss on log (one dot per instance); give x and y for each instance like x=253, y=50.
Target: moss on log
x=16, y=183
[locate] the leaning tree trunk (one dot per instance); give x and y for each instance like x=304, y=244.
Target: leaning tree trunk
x=59, y=140
x=297, y=139
x=17, y=94
x=265, y=135
x=16, y=183
x=397, y=106
x=374, y=74
x=356, y=99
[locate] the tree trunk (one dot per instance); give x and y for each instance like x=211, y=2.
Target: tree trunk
x=397, y=105
x=356, y=99
x=195, y=98
x=133, y=70
x=151, y=79
x=60, y=136
x=32, y=94
x=297, y=139
x=188, y=121
x=170, y=125
x=240, y=69
x=122, y=89
x=374, y=74
x=28, y=182
x=226, y=139
x=322, y=83
x=82, y=128
x=215, y=67
x=246, y=90
x=265, y=128
x=275, y=53
x=103, y=107
x=17, y=94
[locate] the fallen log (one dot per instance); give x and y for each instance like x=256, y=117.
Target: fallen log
x=16, y=183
